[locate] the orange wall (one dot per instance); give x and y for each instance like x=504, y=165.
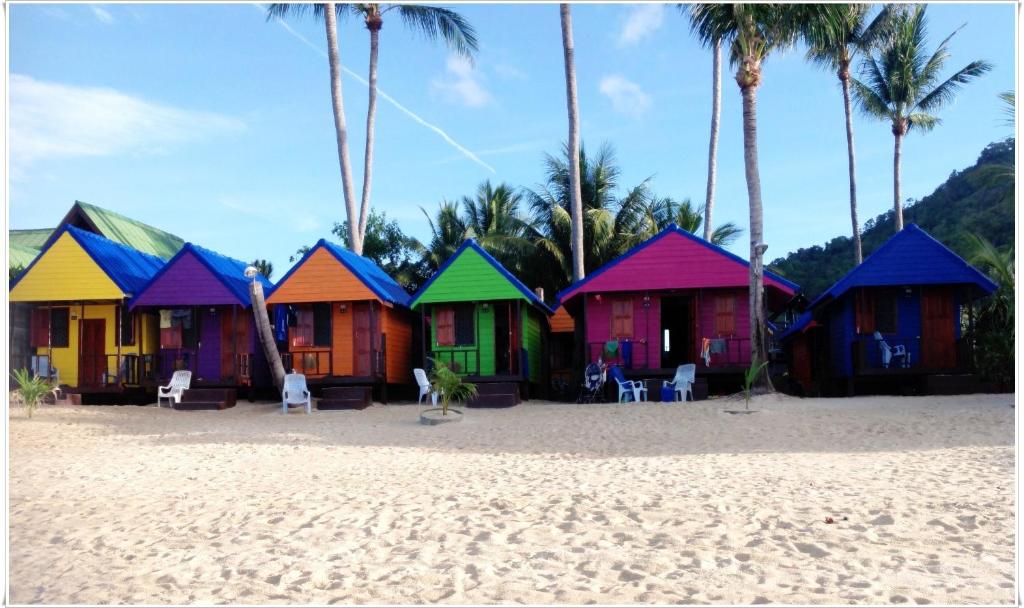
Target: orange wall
x=397, y=324
x=322, y=278
x=342, y=339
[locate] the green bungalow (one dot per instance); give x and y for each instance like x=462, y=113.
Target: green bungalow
x=485, y=324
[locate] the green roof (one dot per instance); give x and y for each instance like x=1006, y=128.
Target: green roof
x=34, y=238
x=133, y=233
x=21, y=255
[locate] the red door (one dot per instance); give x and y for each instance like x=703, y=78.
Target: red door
x=93, y=360
x=938, y=328
x=361, y=338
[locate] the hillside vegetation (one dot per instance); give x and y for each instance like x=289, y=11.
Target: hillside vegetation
x=979, y=199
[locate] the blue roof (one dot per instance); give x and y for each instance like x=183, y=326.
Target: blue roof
x=229, y=271
x=129, y=269
x=910, y=257
x=673, y=229
x=472, y=244
x=798, y=326
x=379, y=282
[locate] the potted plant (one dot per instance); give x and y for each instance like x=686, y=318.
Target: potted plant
x=31, y=389
x=449, y=387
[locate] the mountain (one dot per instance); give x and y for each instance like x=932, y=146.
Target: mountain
x=979, y=199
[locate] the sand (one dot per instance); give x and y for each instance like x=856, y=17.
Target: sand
x=542, y=503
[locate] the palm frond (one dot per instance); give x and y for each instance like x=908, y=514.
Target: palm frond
x=869, y=101
x=436, y=22
x=946, y=92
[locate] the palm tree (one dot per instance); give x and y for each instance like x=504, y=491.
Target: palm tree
x=901, y=84
x=716, y=112
x=264, y=267
x=492, y=216
x=329, y=13
x=447, y=232
x=752, y=32
x=641, y=219
x=432, y=22
x=572, y=104
x=834, y=42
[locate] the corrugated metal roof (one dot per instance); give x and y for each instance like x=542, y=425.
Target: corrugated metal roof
x=369, y=273
x=130, y=269
x=33, y=238
x=133, y=233
x=20, y=255
x=910, y=257
x=230, y=271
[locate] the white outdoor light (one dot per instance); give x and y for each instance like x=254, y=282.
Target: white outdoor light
x=251, y=272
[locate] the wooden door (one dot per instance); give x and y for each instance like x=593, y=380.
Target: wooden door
x=938, y=328
x=362, y=347
x=232, y=341
x=93, y=360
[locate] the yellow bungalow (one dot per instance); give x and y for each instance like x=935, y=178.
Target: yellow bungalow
x=82, y=333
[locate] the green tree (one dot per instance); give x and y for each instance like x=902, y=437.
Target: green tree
x=995, y=327
x=752, y=32
x=643, y=217
x=432, y=22
x=264, y=267
x=492, y=216
x=834, y=41
x=902, y=84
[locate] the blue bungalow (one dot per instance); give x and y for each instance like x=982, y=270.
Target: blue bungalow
x=902, y=314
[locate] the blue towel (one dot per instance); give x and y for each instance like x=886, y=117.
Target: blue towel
x=627, y=353
x=280, y=322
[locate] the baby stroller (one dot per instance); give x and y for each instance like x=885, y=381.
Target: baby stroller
x=593, y=382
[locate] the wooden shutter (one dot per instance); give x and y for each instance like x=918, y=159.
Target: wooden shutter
x=622, y=318
x=725, y=315
x=60, y=334
x=465, y=325
x=40, y=327
x=322, y=324
x=170, y=337
x=302, y=333
x=445, y=326
x=864, y=306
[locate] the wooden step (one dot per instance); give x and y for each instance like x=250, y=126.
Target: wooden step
x=495, y=394
x=345, y=398
x=201, y=405
x=206, y=399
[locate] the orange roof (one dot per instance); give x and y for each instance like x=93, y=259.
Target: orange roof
x=561, y=321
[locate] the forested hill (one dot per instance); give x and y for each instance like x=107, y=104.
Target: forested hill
x=978, y=199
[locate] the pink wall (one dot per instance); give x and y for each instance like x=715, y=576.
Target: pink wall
x=647, y=326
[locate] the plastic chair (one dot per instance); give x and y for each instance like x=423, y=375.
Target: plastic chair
x=425, y=388
x=892, y=352
x=628, y=388
x=686, y=375
x=180, y=381
x=295, y=392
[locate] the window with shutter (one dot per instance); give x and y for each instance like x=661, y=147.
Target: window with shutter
x=127, y=326
x=322, y=324
x=60, y=336
x=864, y=311
x=40, y=327
x=445, y=325
x=170, y=337
x=302, y=332
x=622, y=319
x=465, y=325
x=725, y=315
x=885, y=304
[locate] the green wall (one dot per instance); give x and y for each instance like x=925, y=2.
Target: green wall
x=532, y=342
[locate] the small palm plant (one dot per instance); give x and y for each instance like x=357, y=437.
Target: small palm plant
x=31, y=389
x=750, y=375
x=449, y=386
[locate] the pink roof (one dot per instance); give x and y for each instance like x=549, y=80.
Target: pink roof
x=673, y=259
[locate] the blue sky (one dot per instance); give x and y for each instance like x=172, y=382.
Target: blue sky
x=213, y=124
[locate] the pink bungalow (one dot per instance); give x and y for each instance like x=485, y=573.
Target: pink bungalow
x=673, y=299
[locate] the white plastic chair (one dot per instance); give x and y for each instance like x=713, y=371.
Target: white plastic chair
x=424, y=384
x=891, y=352
x=41, y=368
x=180, y=381
x=628, y=388
x=295, y=391
x=686, y=375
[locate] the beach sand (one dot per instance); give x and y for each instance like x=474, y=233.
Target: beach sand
x=542, y=503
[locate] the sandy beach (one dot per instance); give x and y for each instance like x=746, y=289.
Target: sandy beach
x=542, y=503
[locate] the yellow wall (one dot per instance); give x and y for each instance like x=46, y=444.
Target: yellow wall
x=65, y=272
x=66, y=359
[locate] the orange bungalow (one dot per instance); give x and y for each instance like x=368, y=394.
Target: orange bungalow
x=344, y=321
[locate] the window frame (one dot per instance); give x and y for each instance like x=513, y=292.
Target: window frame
x=886, y=295
x=622, y=325
x=724, y=320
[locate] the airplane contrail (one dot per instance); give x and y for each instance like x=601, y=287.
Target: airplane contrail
x=462, y=149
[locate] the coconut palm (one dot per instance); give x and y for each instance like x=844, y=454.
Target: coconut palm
x=716, y=112
x=492, y=216
x=329, y=13
x=752, y=32
x=447, y=232
x=654, y=214
x=572, y=104
x=902, y=85
x=264, y=267
x=432, y=22
x=834, y=42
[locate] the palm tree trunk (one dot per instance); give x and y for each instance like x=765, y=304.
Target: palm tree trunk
x=341, y=131
x=858, y=253
x=758, y=322
x=716, y=111
x=266, y=334
x=896, y=202
x=576, y=198
x=371, y=115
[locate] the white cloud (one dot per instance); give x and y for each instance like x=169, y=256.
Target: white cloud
x=51, y=120
x=642, y=21
x=506, y=70
x=462, y=84
x=102, y=14
x=626, y=96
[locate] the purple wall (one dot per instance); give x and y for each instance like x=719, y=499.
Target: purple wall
x=187, y=283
